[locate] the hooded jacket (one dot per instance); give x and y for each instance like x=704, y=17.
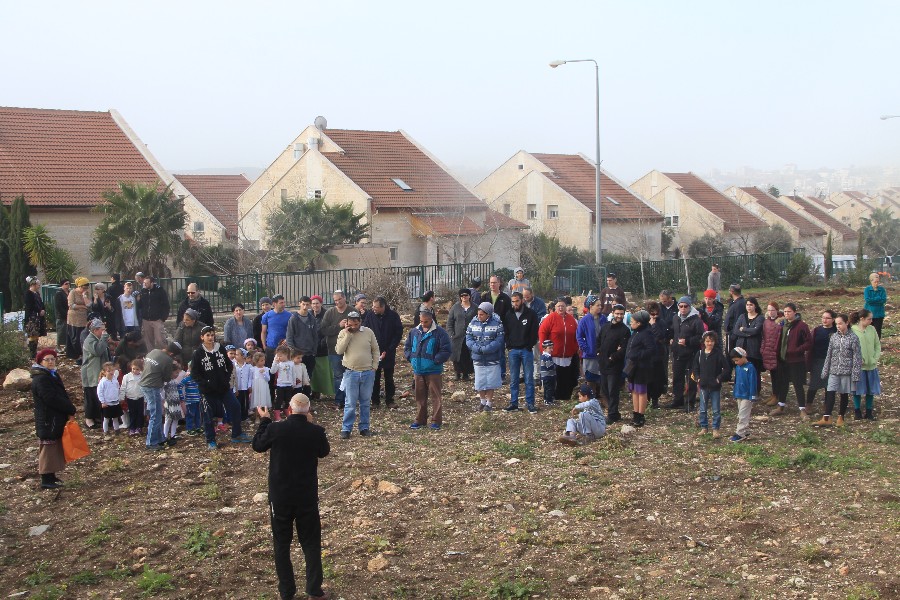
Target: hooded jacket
x=52, y=406
x=844, y=356
x=521, y=332
x=303, y=333
x=586, y=334
x=211, y=369
x=612, y=341
x=770, y=343
x=736, y=308
x=427, y=351
x=691, y=329
x=485, y=341
x=560, y=329
x=710, y=370
x=799, y=341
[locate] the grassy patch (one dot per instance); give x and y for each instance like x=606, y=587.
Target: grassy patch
x=863, y=592
x=113, y=465
x=200, y=542
x=813, y=553
x=468, y=588
x=520, y=451
x=50, y=592
x=100, y=535
x=40, y=575
x=3, y=508
x=512, y=589
x=118, y=574
x=378, y=544
x=210, y=490
x=807, y=438
x=151, y=583
x=484, y=423
x=85, y=578
x=884, y=436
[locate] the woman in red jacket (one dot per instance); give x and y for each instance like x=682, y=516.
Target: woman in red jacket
x=559, y=327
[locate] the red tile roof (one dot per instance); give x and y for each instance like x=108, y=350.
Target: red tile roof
x=736, y=217
x=372, y=159
x=219, y=194
x=462, y=223
x=806, y=227
x=65, y=158
x=824, y=205
x=577, y=176
x=817, y=213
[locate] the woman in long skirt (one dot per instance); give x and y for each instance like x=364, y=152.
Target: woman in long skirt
x=52, y=408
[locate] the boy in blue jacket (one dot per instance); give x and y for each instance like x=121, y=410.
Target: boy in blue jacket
x=744, y=392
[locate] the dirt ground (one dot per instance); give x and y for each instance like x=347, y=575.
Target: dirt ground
x=488, y=507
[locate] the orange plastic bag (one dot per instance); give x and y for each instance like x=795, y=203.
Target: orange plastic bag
x=73, y=442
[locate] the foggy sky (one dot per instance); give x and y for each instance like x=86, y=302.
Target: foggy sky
x=684, y=85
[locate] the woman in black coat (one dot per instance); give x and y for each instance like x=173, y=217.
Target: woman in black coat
x=642, y=347
x=35, y=323
x=52, y=408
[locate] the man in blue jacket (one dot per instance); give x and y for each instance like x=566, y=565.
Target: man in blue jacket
x=427, y=348
x=586, y=335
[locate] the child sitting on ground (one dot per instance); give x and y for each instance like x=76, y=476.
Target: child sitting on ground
x=108, y=394
x=744, y=392
x=548, y=372
x=587, y=426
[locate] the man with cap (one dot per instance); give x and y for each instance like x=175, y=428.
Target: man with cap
x=211, y=369
x=265, y=305
x=712, y=313
x=95, y=352
x=687, y=331
x=520, y=326
x=611, y=295
x=539, y=307
x=388, y=329
x=196, y=301
x=154, y=312
x=737, y=306
x=296, y=444
x=484, y=338
x=360, y=355
x=331, y=325
x=713, y=280
x=518, y=283
x=427, y=349
x=61, y=307
x=158, y=367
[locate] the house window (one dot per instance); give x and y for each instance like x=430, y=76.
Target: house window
x=506, y=209
x=198, y=227
x=283, y=194
x=532, y=212
x=393, y=250
x=553, y=211
x=671, y=212
x=671, y=220
x=521, y=167
x=317, y=194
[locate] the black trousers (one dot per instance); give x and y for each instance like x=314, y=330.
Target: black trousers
x=681, y=371
x=309, y=360
x=787, y=374
x=309, y=532
x=611, y=386
x=386, y=368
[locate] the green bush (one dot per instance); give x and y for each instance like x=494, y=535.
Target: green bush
x=800, y=268
x=12, y=351
x=505, y=275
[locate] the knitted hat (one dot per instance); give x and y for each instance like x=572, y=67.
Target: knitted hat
x=685, y=300
x=353, y=315
x=192, y=314
x=316, y=297
x=709, y=294
x=42, y=354
x=464, y=292
x=265, y=300
x=586, y=390
x=80, y=281
x=486, y=307
x=249, y=340
x=519, y=269
x=96, y=324
x=641, y=316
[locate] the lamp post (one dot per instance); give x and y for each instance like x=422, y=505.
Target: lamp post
x=886, y=117
x=597, y=251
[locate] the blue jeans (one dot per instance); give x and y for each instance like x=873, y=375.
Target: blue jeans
x=358, y=387
x=192, y=418
x=337, y=372
x=216, y=404
x=154, y=399
x=521, y=359
x=707, y=398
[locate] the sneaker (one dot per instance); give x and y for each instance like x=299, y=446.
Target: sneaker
x=716, y=434
x=532, y=410
x=212, y=445
x=549, y=402
x=737, y=438
x=345, y=435
x=772, y=401
x=435, y=426
x=415, y=425
x=241, y=439
x=778, y=410
x=481, y=408
x=613, y=418
x=857, y=414
x=366, y=432
x=389, y=404
x=171, y=441
x=568, y=439
x=52, y=485
x=487, y=408
x=703, y=431
x=191, y=432
x=511, y=408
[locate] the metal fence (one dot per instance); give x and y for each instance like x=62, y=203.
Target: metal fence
x=222, y=291
x=678, y=275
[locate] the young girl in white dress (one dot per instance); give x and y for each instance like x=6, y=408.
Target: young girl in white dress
x=259, y=389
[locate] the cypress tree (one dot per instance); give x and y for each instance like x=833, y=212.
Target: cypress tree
x=4, y=256
x=19, y=265
x=829, y=254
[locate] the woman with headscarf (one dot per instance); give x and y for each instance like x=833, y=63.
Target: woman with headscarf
x=484, y=338
x=102, y=307
x=461, y=314
x=35, y=324
x=52, y=409
x=322, y=380
x=96, y=352
x=188, y=334
x=559, y=327
x=76, y=318
x=642, y=346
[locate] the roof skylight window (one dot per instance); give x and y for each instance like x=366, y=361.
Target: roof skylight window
x=401, y=184
x=613, y=200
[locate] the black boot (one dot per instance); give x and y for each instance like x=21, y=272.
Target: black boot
x=857, y=414
x=48, y=481
x=613, y=417
x=654, y=403
x=870, y=415
x=640, y=419
x=635, y=419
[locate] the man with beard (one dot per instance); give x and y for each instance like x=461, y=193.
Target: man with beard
x=611, y=345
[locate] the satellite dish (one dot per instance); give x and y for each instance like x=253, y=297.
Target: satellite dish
x=320, y=123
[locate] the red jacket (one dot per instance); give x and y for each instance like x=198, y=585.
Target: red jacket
x=561, y=331
x=799, y=342
x=771, y=343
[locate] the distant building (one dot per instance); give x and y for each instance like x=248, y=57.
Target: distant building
x=843, y=238
x=62, y=161
x=418, y=212
x=219, y=194
x=850, y=207
x=556, y=194
x=804, y=232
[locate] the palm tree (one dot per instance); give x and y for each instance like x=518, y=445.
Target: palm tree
x=44, y=253
x=141, y=230
x=880, y=232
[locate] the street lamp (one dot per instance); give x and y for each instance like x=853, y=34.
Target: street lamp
x=554, y=64
x=885, y=117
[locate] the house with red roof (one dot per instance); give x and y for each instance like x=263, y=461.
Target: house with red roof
x=693, y=208
x=850, y=207
x=843, y=238
x=219, y=194
x=418, y=212
x=804, y=232
x=556, y=194
x=62, y=161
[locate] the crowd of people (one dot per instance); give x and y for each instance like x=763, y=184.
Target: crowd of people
x=137, y=378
